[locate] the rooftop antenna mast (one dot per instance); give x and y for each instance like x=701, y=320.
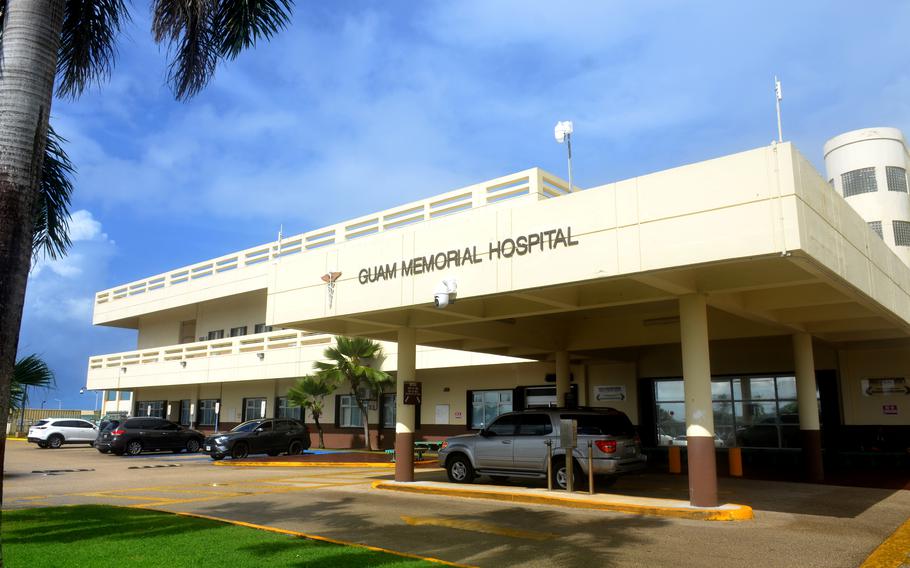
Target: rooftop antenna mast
x=278, y=248
x=563, y=133
x=779, y=96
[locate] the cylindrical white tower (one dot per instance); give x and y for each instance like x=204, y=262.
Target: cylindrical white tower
x=869, y=168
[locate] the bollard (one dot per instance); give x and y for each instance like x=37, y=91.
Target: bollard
x=570, y=469
x=549, y=465
x=675, y=459
x=735, y=457
x=590, y=467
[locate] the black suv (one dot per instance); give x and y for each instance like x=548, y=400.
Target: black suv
x=137, y=435
x=103, y=443
x=265, y=435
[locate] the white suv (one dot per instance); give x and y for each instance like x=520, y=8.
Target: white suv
x=54, y=432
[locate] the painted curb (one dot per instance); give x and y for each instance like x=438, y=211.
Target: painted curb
x=389, y=465
x=740, y=513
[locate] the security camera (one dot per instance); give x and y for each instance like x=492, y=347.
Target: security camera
x=445, y=293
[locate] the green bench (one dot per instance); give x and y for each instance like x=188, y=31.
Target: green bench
x=420, y=448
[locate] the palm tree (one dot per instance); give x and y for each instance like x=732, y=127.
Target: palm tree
x=355, y=361
x=73, y=43
x=309, y=393
x=30, y=371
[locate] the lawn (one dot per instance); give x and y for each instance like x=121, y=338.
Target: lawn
x=86, y=536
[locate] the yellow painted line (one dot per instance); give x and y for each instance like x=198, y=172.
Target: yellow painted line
x=740, y=513
x=474, y=526
x=893, y=552
x=383, y=465
x=326, y=539
x=17, y=439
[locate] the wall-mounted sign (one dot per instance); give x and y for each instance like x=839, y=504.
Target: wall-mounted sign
x=412, y=392
x=885, y=386
x=889, y=409
x=459, y=415
x=442, y=413
x=610, y=392
x=506, y=248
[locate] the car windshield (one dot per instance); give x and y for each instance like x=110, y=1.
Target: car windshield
x=602, y=424
x=41, y=422
x=109, y=425
x=246, y=426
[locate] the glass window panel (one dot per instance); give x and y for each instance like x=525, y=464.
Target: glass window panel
x=756, y=424
x=901, y=233
x=858, y=181
x=388, y=411
x=477, y=415
x=753, y=388
x=671, y=421
x=897, y=178
x=477, y=397
x=877, y=227
x=720, y=390
x=111, y=395
x=724, y=426
x=125, y=395
x=669, y=390
x=786, y=387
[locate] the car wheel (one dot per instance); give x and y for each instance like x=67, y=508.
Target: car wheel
x=459, y=469
x=240, y=451
x=192, y=446
x=560, y=477
x=103, y=451
x=217, y=458
x=134, y=448
x=42, y=445
x=55, y=441
x=295, y=448
x=499, y=478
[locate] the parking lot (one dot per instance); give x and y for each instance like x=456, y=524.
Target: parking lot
x=795, y=524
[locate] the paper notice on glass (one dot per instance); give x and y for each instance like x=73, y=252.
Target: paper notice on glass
x=442, y=414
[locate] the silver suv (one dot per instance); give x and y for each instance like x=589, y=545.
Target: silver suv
x=514, y=445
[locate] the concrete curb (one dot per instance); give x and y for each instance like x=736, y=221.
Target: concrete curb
x=383, y=465
x=729, y=512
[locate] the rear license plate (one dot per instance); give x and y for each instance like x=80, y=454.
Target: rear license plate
x=208, y=448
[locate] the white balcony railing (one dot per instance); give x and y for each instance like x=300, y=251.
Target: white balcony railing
x=258, y=343
x=532, y=184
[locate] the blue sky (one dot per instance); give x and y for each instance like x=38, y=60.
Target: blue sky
x=360, y=106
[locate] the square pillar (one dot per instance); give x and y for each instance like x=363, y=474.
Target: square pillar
x=809, y=425
x=563, y=374
x=404, y=413
x=693, y=323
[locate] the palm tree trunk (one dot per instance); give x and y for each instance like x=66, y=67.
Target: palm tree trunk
x=319, y=429
x=367, y=443
x=28, y=62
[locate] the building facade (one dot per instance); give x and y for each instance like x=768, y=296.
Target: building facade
x=736, y=301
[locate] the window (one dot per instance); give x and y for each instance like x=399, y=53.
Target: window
x=877, y=227
x=262, y=328
x=286, y=410
x=154, y=408
x=126, y=395
x=901, y=233
x=253, y=408
x=110, y=396
x=859, y=181
x=348, y=413
x=535, y=425
x=388, y=410
x=216, y=334
x=167, y=426
x=897, y=178
x=207, y=415
x=185, y=412
x=748, y=411
x=487, y=405
x=504, y=426
x=238, y=331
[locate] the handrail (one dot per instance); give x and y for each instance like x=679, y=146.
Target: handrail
x=534, y=184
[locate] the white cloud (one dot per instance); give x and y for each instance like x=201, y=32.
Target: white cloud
x=83, y=227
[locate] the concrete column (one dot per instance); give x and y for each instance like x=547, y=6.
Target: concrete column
x=563, y=374
x=809, y=426
x=693, y=323
x=404, y=413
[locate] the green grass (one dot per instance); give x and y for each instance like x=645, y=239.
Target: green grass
x=85, y=536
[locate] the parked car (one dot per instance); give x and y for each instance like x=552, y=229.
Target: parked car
x=514, y=445
x=265, y=435
x=683, y=441
x=137, y=435
x=54, y=432
x=102, y=442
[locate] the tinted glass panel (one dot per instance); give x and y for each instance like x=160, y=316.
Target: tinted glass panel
x=535, y=425
x=602, y=424
x=669, y=390
x=753, y=388
x=41, y=422
x=504, y=426
x=786, y=387
x=246, y=426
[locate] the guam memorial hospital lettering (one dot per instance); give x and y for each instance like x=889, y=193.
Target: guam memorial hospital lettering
x=506, y=248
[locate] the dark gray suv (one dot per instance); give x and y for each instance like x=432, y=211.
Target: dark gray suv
x=514, y=445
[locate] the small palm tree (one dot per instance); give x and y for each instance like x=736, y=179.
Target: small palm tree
x=309, y=393
x=355, y=361
x=30, y=371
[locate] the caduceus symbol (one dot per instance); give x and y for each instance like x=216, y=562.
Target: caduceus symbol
x=330, y=278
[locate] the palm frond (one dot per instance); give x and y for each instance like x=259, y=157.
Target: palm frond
x=51, y=217
x=30, y=372
x=240, y=23
x=2, y=17
x=88, y=43
x=188, y=28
